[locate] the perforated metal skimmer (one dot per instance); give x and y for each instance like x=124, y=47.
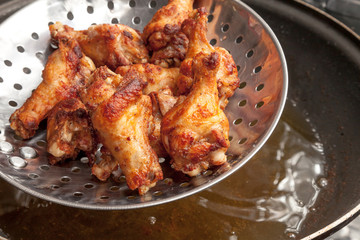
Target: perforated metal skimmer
x=253, y=111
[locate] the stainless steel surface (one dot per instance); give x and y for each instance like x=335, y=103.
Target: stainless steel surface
x=253, y=111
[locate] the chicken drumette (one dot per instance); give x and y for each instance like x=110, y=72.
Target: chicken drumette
x=69, y=130
x=195, y=131
x=112, y=45
x=121, y=115
x=157, y=77
x=163, y=35
x=65, y=74
x=227, y=76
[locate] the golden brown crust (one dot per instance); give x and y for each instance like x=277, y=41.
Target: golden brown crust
x=122, y=123
x=157, y=77
x=69, y=130
x=112, y=45
x=163, y=35
x=196, y=29
x=65, y=74
x=195, y=131
x=162, y=101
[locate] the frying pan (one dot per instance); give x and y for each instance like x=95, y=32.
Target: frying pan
x=324, y=73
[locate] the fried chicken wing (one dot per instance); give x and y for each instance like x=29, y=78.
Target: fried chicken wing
x=69, y=130
x=157, y=77
x=103, y=84
x=196, y=28
x=65, y=74
x=162, y=102
x=122, y=124
x=163, y=35
x=112, y=45
x=106, y=166
x=195, y=131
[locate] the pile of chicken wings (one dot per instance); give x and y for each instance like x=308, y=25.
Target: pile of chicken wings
x=141, y=96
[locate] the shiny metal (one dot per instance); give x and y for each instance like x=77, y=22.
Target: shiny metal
x=17, y=162
x=253, y=111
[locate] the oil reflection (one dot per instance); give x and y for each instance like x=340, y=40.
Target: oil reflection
x=294, y=163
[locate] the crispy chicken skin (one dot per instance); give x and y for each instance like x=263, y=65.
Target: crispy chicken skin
x=195, y=131
x=195, y=28
x=69, y=130
x=112, y=45
x=122, y=125
x=65, y=74
x=163, y=36
x=103, y=84
x=162, y=102
x=157, y=77
x=106, y=166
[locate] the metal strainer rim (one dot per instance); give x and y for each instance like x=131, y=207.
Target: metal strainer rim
x=205, y=185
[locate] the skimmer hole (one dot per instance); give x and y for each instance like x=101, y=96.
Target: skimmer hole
x=78, y=194
x=210, y=18
x=45, y=167
x=136, y=20
x=8, y=63
x=230, y=138
x=132, y=3
x=225, y=28
x=70, y=16
x=238, y=68
x=259, y=104
x=184, y=184
x=65, y=179
x=20, y=49
x=50, y=23
x=213, y=41
x=17, y=86
x=152, y=4
x=54, y=187
x=242, y=141
x=41, y=143
x=114, y=21
x=238, y=121
x=250, y=53
x=35, y=36
x=207, y=173
x=89, y=185
x=39, y=55
x=158, y=193
x=242, y=85
x=110, y=5
x=1, y=80
x=257, y=69
x=253, y=123
x=75, y=170
x=90, y=10
x=260, y=87
x=131, y=197
x=239, y=39
x=242, y=103
x=12, y=103
x=114, y=188
x=26, y=70
x=33, y=175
